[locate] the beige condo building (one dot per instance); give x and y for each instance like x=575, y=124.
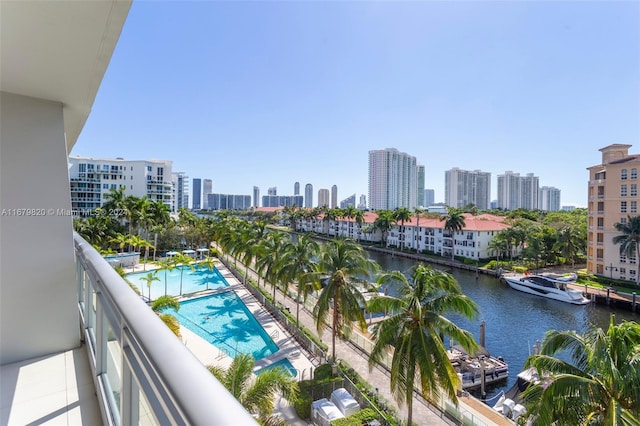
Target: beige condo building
x=613, y=197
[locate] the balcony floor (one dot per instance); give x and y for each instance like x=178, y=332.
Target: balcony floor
x=54, y=390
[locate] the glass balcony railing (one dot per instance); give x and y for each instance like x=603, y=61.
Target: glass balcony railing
x=142, y=372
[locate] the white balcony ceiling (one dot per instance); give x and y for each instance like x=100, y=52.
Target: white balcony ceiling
x=59, y=51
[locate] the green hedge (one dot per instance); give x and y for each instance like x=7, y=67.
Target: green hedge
x=357, y=419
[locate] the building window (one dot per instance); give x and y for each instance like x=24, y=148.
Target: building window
x=82, y=168
x=623, y=206
x=623, y=271
x=623, y=220
x=634, y=207
x=105, y=186
x=634, y=190
x=149, y=168
x=623, y=258
x=623, y=190
x=623, y=174
x=634, y=173
x=113, y=186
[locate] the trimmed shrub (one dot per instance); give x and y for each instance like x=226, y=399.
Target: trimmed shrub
x=357, y=419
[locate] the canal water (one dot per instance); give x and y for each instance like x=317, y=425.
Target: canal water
x=514, y=320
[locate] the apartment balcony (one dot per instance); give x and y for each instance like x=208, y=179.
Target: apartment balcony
x=130, y=369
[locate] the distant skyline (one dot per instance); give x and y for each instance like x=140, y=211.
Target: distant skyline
x=271, y=93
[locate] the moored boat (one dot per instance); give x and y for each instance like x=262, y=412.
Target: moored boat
x=546, y=286
x=470, y=368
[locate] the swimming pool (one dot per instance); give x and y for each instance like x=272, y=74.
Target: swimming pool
x=284, y=363
x=225, y=321
x=202, y=278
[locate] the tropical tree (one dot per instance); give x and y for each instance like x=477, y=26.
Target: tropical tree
x=209, y=264
x=596, y=382
x=384, y=222
x=149, y=279
x=256, y=393
x=414, y=329
x=166, y=265
x=121, y=240
x=298, y=265
x=115, y=203
x=359, y=218
x=629, y=240
x=161, y=305
x=269, y=259
x=146, y=245
x=347, y=266
x=181, y=260
x=498, y=245
x=418, y=212
x=402, y=215
x=453, y=222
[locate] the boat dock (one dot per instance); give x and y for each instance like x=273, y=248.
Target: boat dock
x=609, y=297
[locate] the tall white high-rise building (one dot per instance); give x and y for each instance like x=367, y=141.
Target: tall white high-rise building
x=463, y=187
x=334, y=196
x=323, y=197
x=92, y=178
x=296, y=188
x=308, y=196
x=180, y=182
x=549, y=199
x=207, y=188
x=515, y=191
x=256, y=197
x=530, y=187
x=393, y=180
x=272, y=190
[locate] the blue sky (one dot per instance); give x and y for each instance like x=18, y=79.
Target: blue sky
x=269, y=93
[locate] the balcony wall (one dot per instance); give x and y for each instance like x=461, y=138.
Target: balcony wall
x=38, y=314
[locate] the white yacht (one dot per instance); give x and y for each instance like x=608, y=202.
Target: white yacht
x=547, y=286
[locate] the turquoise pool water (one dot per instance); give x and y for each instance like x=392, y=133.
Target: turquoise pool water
x=201, y=278
x=285, y=363
x=224, y=321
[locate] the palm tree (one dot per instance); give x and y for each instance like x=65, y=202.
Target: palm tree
x=208, y=263
x=268, y=262
x=115, y=203
x=182, y=260
x=384, y=222
x=359, y=217
x=346, y=265
x=402, y=214
x=256, y=393
x=160, y=305
x=599, y=384
x=149, y=279
x=414, y=331
x=629, y=240
x=453, y=222
x=298, y=264
x=146, y=245
x=418, y=214
x=330, y=216
x=166, y=265
x=121, y=240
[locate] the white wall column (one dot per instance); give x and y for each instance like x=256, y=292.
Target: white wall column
x=38, y=309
